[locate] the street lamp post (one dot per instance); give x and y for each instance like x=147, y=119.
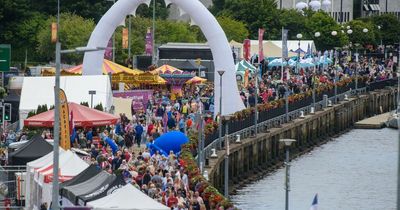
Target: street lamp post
x=287, y=143
x=257, y=65
x=226, y=177
x=299, y=37
x=334, y=33
x=365, y=31
x=220, y=72
x=316, y=35
x=200, y=157
x=91, y=93
x=357, y=66
x=55, y=187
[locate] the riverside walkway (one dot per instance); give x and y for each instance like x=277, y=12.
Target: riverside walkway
x=376, y=122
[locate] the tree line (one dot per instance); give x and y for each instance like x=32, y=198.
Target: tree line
x=25, y=24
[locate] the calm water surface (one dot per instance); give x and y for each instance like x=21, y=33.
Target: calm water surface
x=356, y=171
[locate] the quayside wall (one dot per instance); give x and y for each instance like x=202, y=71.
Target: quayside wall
x=253, y=157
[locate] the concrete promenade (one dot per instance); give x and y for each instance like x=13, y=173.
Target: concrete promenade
x=375, y=122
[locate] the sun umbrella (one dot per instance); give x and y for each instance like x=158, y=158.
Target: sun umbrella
x=196, y=80
x=166, y=69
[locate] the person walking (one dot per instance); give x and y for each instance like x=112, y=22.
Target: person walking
x=138, y=133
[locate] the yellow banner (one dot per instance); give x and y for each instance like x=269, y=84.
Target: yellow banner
x=124, y=38
x=65, y=141
x=53, y=32
x=246, y=78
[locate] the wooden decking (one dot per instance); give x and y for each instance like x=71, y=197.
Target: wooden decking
x=375, y=122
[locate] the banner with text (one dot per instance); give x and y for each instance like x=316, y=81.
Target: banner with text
x=149, y=42
x=125, y=37
x=140, y=98
x=246, y=49
x=65, y=142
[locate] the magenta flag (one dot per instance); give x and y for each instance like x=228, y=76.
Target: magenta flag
x=149, y=42
x=108, y=52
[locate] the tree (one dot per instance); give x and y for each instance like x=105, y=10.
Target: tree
x=234, y=30
x=74, y=32
x=390, y=28
x=147, y=11
x=255, y=14
x=99, y=107
x=85, y=104
x=323, y=23
x=358, y=36
x=294, y=21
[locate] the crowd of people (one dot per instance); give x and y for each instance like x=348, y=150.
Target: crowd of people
x=120, y=148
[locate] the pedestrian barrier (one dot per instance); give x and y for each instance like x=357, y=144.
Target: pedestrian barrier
x=276, y=117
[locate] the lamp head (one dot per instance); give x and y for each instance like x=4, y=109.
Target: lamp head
x=349, y=31
x=317, y=34
x=299, y=36
x=287, y=142
x=365, y=30
x=334, y=33
x=221, y=72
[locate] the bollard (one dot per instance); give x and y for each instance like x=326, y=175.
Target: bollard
x=325, y=101
x=312, y=110
x=214, y=154
x=302, y=115
x=329, y=103
x=346, y=98
x=238, y=139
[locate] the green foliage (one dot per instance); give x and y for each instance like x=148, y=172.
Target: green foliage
x=390, y=28
x=99, y=107
x=234, y=30
x=166, y=31
x=358, y=36
x=31, y=113
x=51, y=107
x=74, y=32
x=255, y=14
x=41, y=109
x=147, y=11
x=323, y=23
x=85, y=104
x=3, y=92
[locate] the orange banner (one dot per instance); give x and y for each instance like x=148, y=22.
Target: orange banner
x=53, y=32
x=125, y=38
x=246, y=78
x=65, y=141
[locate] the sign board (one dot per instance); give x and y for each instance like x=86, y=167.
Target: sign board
x=5, y=57
x=140, y=98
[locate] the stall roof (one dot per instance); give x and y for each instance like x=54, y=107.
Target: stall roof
x=100, y=180
x=85, y=175
x=127, y=197
x=35, y=148
x=103, y=191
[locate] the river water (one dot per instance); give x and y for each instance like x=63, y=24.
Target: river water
x=356, y=171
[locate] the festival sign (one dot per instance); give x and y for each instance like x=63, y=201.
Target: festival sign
x=140, y=98
x=65, y=142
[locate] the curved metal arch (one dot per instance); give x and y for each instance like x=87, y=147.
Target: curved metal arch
x=211, y=29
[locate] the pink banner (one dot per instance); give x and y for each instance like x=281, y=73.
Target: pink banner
x=108, y=52
x=149, y=42
x=246, y=49
x=140, y=98
x=260, y=44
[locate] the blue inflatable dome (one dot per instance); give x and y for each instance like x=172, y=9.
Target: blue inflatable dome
x=167, y=142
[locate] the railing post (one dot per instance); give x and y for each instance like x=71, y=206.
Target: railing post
x=325, y=101
x=287, y=106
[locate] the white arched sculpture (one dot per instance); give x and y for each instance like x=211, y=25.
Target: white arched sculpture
x=222, y=55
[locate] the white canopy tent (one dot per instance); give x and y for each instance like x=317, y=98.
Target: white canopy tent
x=39, y=176
x=127, y=198
x=40, y=91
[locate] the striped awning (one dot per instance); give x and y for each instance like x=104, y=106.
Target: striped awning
x=166, y=69
x=107, y=67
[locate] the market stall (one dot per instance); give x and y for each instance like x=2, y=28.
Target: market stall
x=127, y=197
x=35, y=148
x=83, y=117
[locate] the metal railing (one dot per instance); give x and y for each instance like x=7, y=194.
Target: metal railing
x=281, y=119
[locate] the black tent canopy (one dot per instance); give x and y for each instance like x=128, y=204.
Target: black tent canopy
x=85, y=175
x=35, y=148
x=103, y=191
x=101, y=180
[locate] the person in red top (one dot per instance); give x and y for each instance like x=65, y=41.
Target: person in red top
x=172, y=200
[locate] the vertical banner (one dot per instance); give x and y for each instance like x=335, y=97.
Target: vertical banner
x=124, y=38
x=108, y=52
x=246, y=49
x=246, y=78
x=149, y=42
x=65, y=141
x=285, y=53
x=53, y=33
x=260, y=44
